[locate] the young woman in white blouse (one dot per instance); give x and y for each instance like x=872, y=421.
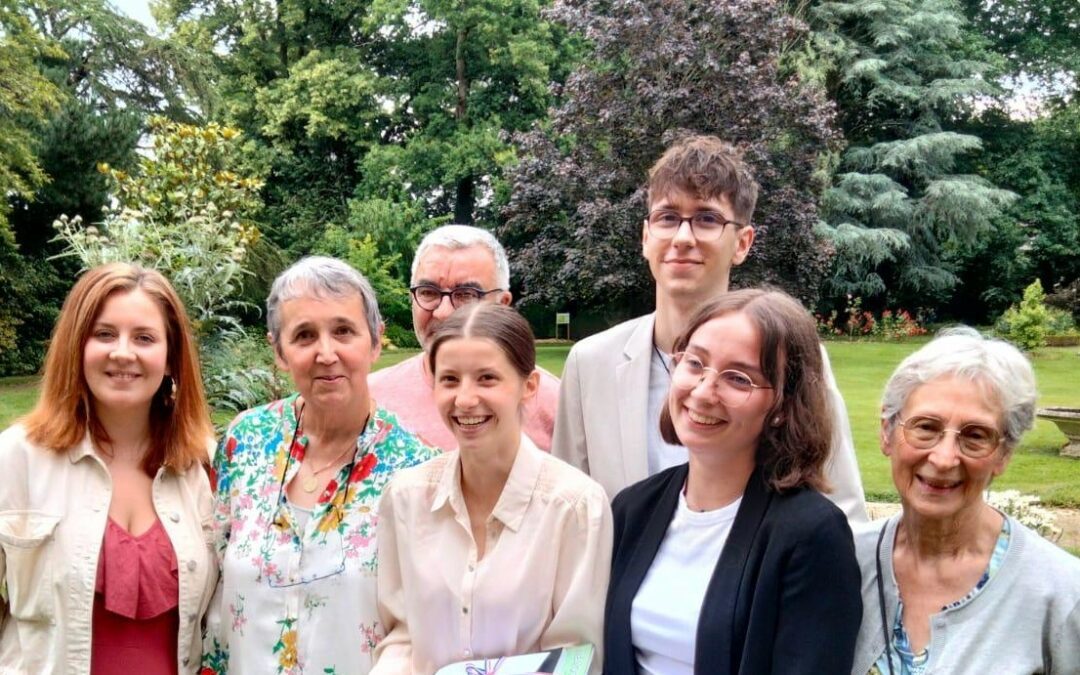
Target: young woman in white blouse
x=498, y=548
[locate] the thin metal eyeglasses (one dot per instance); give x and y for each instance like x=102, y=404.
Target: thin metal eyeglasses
x=429, y=296
x=975, y=440
x=734, y=387
x=704, y=225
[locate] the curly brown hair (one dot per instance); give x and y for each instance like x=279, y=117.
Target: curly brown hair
x=708, y=168
x=797, y=437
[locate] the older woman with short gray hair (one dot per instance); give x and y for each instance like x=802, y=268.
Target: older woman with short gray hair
x=297, y=485
x=951, y=585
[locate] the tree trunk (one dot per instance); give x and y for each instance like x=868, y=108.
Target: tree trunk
x=465, y=201
x=465, y=195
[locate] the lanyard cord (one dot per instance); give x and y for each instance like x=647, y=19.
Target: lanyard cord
x=881, y=600
x=660, y=355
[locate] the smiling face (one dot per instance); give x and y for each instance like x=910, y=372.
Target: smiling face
x=701, y=420
x=448, y=269
x=126, y=354
x=685, y=267
x=326, y=347
x=942, y=482
x=479, y=393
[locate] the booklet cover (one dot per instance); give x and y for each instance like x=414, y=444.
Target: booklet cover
x=563, y=661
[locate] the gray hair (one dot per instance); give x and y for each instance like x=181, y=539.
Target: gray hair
x=962, y=352
x=319, y=277
x=455, y=237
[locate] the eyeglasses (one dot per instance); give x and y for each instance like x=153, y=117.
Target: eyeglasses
x=734, y=387
x=975, y=440
x=429, y=297
x=705, y=225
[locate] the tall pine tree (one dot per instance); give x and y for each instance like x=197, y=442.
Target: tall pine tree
x=903, y=73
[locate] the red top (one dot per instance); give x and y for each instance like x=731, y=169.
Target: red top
x=136, y=616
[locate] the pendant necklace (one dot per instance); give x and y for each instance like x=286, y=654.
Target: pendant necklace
x=311, y=483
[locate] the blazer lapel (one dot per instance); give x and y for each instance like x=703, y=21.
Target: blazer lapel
x=716, y=650
x=632, y=378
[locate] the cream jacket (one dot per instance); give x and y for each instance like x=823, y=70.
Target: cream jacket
x=53, y=512
x=601, y=427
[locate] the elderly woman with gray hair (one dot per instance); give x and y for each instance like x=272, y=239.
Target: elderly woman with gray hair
x=297, y=485
x=951, y=585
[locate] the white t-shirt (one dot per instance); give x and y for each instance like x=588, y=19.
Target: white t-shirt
x=662, y=455
x=664, y=616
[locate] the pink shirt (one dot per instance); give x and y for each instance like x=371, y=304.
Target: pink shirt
x=135, y=619
x=406, y=391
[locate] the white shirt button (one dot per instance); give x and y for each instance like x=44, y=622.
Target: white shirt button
x=191, y=565
x=175, y=517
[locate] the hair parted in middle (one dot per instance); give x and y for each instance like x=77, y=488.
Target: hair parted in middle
x=708, y=168
x=498, y=323
x=180, y=428
x=796, y=439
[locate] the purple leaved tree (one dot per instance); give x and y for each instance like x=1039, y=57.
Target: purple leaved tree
x=656, y=69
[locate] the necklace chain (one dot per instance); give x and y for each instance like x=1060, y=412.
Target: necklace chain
x=663, y=361
x=310, y=483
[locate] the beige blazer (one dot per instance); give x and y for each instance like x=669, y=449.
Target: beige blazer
x=601, y=424
x=53, y=511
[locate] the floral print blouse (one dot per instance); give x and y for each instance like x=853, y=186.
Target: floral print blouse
x=294, y=598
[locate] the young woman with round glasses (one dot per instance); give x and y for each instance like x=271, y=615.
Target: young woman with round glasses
x=734, y=562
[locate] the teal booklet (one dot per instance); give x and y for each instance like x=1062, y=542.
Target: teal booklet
x=563, y=661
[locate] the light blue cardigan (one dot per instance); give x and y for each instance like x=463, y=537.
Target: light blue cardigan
x=1025, y=620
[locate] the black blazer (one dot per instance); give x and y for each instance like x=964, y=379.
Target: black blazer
x=785, y=595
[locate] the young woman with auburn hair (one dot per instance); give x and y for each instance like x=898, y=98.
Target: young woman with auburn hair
x=104, y=500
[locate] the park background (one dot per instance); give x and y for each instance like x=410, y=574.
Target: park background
x=918, y=164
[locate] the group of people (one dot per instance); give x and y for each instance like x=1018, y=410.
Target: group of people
x=683, y=500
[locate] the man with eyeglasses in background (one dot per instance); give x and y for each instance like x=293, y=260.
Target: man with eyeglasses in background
x=454, y=265
x=701, y=196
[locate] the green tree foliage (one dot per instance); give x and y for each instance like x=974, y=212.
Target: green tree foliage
x=114, y=72
x=1027, y=324
x=27, y=99
x=576, y=203
x=378, y=239
x=115, y=62
x=904, y=74
x=184, y=212
x=401, y=100
x=187, y=212
x=1037, y=37
x=297, y=77
x=1039, y=234
x=458, y=79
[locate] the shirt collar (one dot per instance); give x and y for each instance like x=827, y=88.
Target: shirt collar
x=516, y=494
x=83, y=449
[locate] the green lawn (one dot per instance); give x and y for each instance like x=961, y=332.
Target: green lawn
x=861, y=369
